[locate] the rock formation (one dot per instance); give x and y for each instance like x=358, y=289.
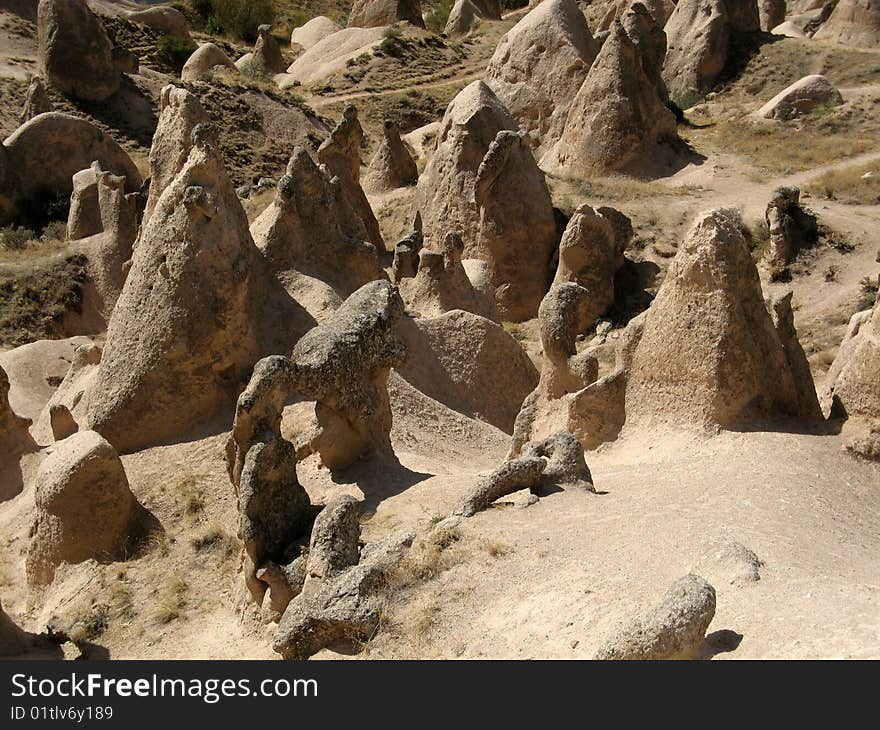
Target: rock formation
x=199, y=306
x=540, y=65
x=470, y=364
x=84, y=218
x=517, y=234
x=311, y=228
x=377, y=13
x=74, y=53
x=179, y=113
x=62, y=422
x=344, y=365
x=340, y=152
x=13, y=640
x=392, y=166
x=772, y=13
x=673, y=630
x=312, y=32
x=488, y=9
x=792, y=228
x=13, y=428
x=591, y=253
x=727, y=561
x=648, y=37
x=274, y=510
x=36, y=100
x=43, y=155
x=660, y=11
x=511, y=476
x=463, y=18
x=85, y=508
x=267, y=52
x=856, y=22
x=440, y=284
x=71, y=393
x=709, y=353
x=342, y=597
x=801, y=98
x=206, y=57
x=406, y=254
x=617, y=123
x=699, y=34
x=566, y=466
x=166, y=20
x=783, y=320
x=853, y=384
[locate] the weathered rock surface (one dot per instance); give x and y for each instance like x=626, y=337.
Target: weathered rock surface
x=591, y=253
x=511, y=476
x=85, y=508
x=71, y=393
x=199, y=307
x=648, y=37
x=392, y=166
x=673, y=630
x=540, y=65
x=801, y=98
x=166, y=20
x=792, y=228
x=84, y=218
x=13, y=428
x=728, y=561
x=617, y=123
x=267, y=52
x=312, y=32
x=854, y=378
x=74, y=53
x=469, y=364
x=772, y=14
x=377, y=13
x=783, y=320
x=566, y=465
x=709, y=353
x=344, y=365
x=856, y=22
x=311, y=228
x=36, y=100
x=204, y=58
x=343, y=594
x=463, y=18
x=340, y=152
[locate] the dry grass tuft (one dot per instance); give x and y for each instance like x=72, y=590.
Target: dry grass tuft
x=172, y=601
x=849, y=185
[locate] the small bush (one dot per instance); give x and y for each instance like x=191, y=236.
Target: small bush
x=175, y=51
x=172, y=601
x=436, y=20
x=868, y=288
x=237, y=18
x=255, y=69
x=16, y=239
x=392, y=43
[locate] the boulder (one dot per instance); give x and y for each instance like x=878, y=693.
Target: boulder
x=709, y=353
x=312, y=32
x=344, y=365
x=310, y=228
x=853, y=385
x=801, y=98
x=74, y=53
x=378, y=13
x=84, y=218
x=330, y=55
x=341, y=153
x=791, y=227
x=463, y=18
x=44, y=154
x=166, y=20
x=783, y=320
x=199, y=306
x=84, y=508
x=511, y=476
x=566, y=466
x=854, y=22
x=392, y=166
x=675, y=629
x=539, y=66
x=470, y=364
x=591, y=253
x=617, y=123
x=203, y=60
x=267, y=52
x=727, y=561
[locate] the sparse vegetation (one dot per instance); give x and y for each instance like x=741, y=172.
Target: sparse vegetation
x=172, y=601
x=856, y=185
x=175, y=51
x=868, y=288
x=438, y=17
x=216, y=539
x=235, y=18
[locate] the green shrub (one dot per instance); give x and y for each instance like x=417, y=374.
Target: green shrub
x=436, y=20
x=237, y=18
x=255, y=69
x=513, y=4
x=16, y=239
x=175, y=51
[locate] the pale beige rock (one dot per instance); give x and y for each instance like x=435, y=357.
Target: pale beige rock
x=591, y=253
x=802, y=97
x=85, y=508
x=379, y=13
x=71, y=392
x=74, y=53
x=539, y=66
x=463, y=18
x=203, y=59
x=854, y=22
x=165, y=19
x=44, y=154
x=392, y=166
x=709, y=353
x=660, y=10
x=312, y=32
x=84, y=218
x=199, y=307
x=310, y=228
x=854, y=378
x=648, y=37
x=618, y=123
x=341, y=153
x=13, y=428
x=489, y=9
x=783, y=320
x=330, y=55
x=469, y=364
